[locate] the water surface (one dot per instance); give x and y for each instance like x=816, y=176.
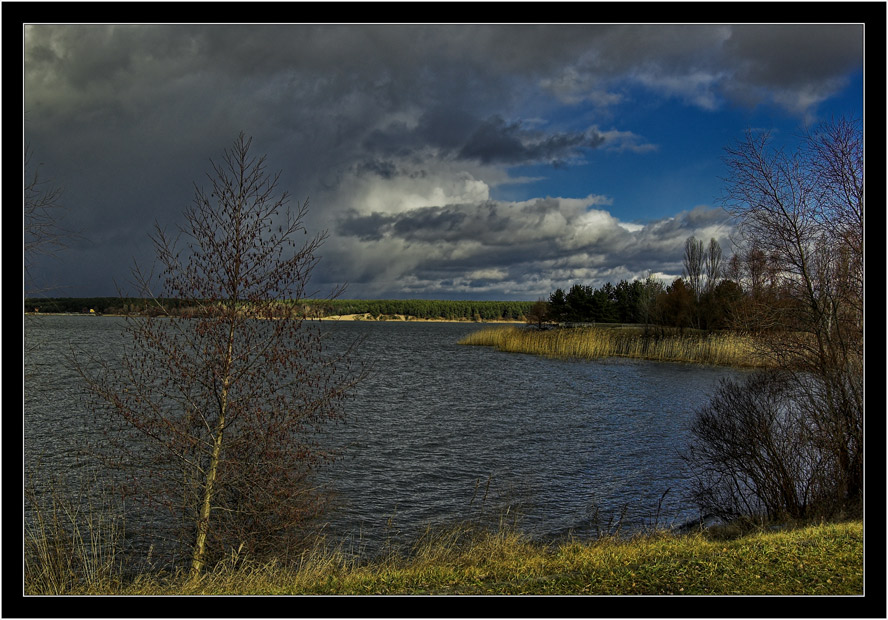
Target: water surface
x=440, y=432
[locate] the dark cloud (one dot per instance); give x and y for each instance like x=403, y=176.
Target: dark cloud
x=447, y=128
x=498, y=244
x=782, y=56
x=497, y=141
x=382, y=168
x=399, y=134
x=458, y=134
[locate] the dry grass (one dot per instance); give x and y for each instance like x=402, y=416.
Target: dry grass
x=72, y=552
x=722, y=349
x=71, y=544
x=819, y=559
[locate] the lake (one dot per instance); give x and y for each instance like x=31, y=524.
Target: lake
x=440, y=433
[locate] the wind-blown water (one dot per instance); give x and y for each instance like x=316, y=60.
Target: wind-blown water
x=440, y=432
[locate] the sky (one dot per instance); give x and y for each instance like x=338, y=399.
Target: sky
x=462, y=161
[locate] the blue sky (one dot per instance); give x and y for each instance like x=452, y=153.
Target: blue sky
x=445, y=161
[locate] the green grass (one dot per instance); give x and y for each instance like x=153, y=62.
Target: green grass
x=723, y=349
x=817, y=559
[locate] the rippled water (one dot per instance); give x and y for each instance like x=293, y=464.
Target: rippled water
x=440, y=432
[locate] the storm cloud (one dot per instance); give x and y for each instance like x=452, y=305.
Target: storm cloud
x=551, y=241
x=443, y=160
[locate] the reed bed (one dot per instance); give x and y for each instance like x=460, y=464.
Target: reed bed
x=721, y=349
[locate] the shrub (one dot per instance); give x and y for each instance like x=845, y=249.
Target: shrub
x=756, y=451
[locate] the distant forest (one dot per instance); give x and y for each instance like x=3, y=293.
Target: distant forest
x=708, y=297
x=649, y=302
x=312, y=308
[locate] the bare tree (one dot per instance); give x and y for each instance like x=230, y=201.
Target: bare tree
x=538, y=314
x=800, y=215
x=804, y=211
x=218, y=413
x=647, y=301
x=752, y=453
x=757, y=274
x=42, y=204
x=712, y=260
x=693, y=265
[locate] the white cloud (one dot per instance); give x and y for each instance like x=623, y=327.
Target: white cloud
x=572, y=87
x=615, y=140
x=695, y=87
x=423, y=182
x=487, y=274
x=525, y=248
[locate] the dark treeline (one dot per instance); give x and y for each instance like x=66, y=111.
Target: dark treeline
x=315, y=308
x=426, y=309
x=708, y=296
x=99, y=305
x=648, y=302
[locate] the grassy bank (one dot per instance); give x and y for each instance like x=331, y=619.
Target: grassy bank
x=724, y=349
x=821, y=559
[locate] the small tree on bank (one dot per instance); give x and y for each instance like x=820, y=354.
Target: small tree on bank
x=215, y=414
x=538, y=314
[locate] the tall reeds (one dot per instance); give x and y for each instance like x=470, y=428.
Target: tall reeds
x=72, y=541
x=723, y=348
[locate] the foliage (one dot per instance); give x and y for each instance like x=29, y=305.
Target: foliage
x=538, y=314
x=708, y=297
x=719, y=307
x=649, y=302
x=676, y=306
x=104, y=305
x=585, y=304
x=421, y=308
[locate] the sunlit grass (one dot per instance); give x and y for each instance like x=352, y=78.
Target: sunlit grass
x=723, y=349
x=818, y=559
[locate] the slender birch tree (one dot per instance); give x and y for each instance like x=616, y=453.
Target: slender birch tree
x=712, y=262
x=216, y=412
x=694, y=265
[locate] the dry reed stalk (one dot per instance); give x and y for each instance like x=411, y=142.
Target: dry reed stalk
x=723, y=349
x=70, y=544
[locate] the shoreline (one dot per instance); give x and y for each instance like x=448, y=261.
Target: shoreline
x=365, y=318
x=401, y=318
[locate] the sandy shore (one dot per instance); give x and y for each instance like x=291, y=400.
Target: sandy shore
x=389, y=318
x=392, y=318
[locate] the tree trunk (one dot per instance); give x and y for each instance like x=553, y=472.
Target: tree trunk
x=203, y=522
